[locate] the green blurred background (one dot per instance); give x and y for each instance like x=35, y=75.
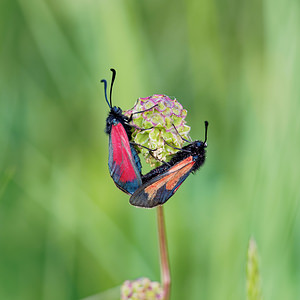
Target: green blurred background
x=66, y=231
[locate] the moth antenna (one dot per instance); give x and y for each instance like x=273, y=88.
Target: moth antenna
x=112, y=83
x=105, y=91
x=205, y=136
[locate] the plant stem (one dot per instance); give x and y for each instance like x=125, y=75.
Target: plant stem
x=163, y=251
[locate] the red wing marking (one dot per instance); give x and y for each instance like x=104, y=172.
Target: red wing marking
x=172, y=177
x=122, y=155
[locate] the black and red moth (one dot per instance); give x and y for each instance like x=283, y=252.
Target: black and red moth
x=123, y=161
x=162, y=182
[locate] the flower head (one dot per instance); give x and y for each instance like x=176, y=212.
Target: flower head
x=159, y=115
x=141, y=289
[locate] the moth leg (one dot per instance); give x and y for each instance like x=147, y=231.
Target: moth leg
x=176, y=147
x=162, y=161
x=181, y=135
x=151, y=153
x=150, y=150
x=139, y=128
x=139, y=112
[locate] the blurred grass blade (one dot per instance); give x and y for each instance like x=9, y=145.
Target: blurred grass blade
x=253, y=276
x=5, y=178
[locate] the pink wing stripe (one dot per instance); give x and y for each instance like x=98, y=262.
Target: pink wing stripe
x=122, y=153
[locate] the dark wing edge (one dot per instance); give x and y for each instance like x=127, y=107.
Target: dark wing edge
x=147, y=195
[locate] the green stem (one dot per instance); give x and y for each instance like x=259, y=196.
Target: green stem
x=163, y=250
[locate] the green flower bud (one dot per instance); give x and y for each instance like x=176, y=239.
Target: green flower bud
x=141, y=289
x=159, y=123
x=253, y=276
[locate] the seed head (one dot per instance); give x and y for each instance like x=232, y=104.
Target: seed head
x=155, y=127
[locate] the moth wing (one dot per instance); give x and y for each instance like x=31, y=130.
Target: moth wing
x=122, y=162
x=136, y=158
x=160, y=188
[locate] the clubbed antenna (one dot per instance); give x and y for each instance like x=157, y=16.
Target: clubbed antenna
x=112, y=83
x=205, y=136
x=105, y=91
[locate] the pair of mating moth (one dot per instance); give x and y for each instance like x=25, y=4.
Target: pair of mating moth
x=157, y=186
